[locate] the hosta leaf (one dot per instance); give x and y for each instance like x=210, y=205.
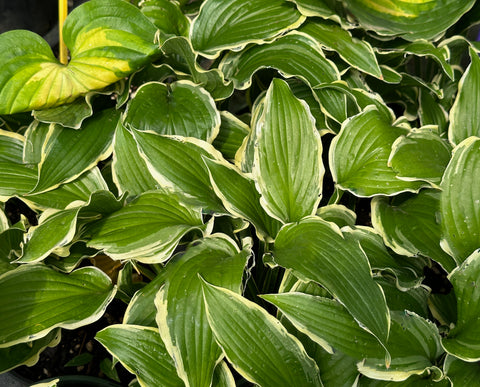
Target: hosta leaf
x=231, y=135
x=108, y=39
x=463, y=339
x=256, y=343
x=36, y=135
x=311, y=8
x=212, y=80
x=78, y=189
x=180, y=108
x=316, y=250
x=3, y=221
x=359, y=154
x=11, y=147
x=167, y=16
x=222, y=377
x=181, y=316
x=431, y=379
x=224, y=25
x=16, y=179
x=288, y=156
x=421, y=155
x=410, y=19
x=337, y=369
x=327, y=323
x=338, y=214
x=10, y=247
x=176, y=163
x=464, y=120
x=68, y=153
x=130, y=171
x=356, y=53
x=142, y=352
x=292, y=55
x=461, y=373
x=26, y=353
x=239, y=196
x=460, y=201
x=54, y=230
x=70, y=115
x=410, y=226
x=381, y=260
x=147, y=229
x=431, y=112
x=46, y=299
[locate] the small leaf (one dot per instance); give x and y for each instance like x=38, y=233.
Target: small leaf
x=181, y=316
x=231, y=135
x=142, y=352
x=410, y=226
x=460, y=201
x=463, y=115
x=460, y=372
x=256, y=343
x=359, y=154
x=338, y=214
x=72, y=300
x=79, y=360
x=463, y=339
x=239, y=22
x=167, y=16
x=289, y=180
x=147, y=229
x=316, y=250
x=181, y=108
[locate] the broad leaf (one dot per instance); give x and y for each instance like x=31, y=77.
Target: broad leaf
x=177, y=163
x=288, y=156
x=460, y=201
x=68, y=153
x=46, y=299
x=16, y=179
x=108, y=39
x=142, y=352
x=316, y=250
x=231, y=135
x=421, y=155
x=181, y=108
x=181, y=316
x=240, y=197
x=11, y=147
x=359, y=154
x=410, y=19
x=356, y=53
x=167, y=16
x=464, y=120
x=431, y=112
x=318, y=8
x=222, y=376
x=147, y=229
x=224, y=25
x=410, y=226
x=338, y=214
x=461, y=373
x=256, y=343
x=463, y=339
x=129, y=170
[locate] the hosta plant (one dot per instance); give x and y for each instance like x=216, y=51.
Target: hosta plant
x=281, y=193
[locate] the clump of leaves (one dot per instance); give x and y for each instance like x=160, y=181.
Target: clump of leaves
x=263, y=183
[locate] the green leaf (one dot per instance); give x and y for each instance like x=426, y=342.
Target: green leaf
x=142, y=352
x=147, y=229
x=420, y=155
x=431, y=112
x=411, y=20
x=240, y=197
x=463, y=339
x=357, y=53
x=224, y=25
x=70, y=115
x=461, y=373
x=27, y=353
x=359, y=154
x=108, y=39
x=176, y=163
x=68, y=153
x=16, y=179
x=79, y=360
x=338, y=214
x=130, y=171
x=46, y=299
x=167, y=16
x=181, y=108
x=337, y=369
x=410, y=226
x=212, y=80
x=181, y=316
x=288, y=156
x=55, y=229
x=256, y=343
x=231, y=135
x=311, y=8
x=36, y=135
x=222, y=377
x=317, y=251
x=463, y=115
x=460, y=201
x=10, y=248
x=11, y=147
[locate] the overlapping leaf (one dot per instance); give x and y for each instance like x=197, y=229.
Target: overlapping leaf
x=108, y=39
